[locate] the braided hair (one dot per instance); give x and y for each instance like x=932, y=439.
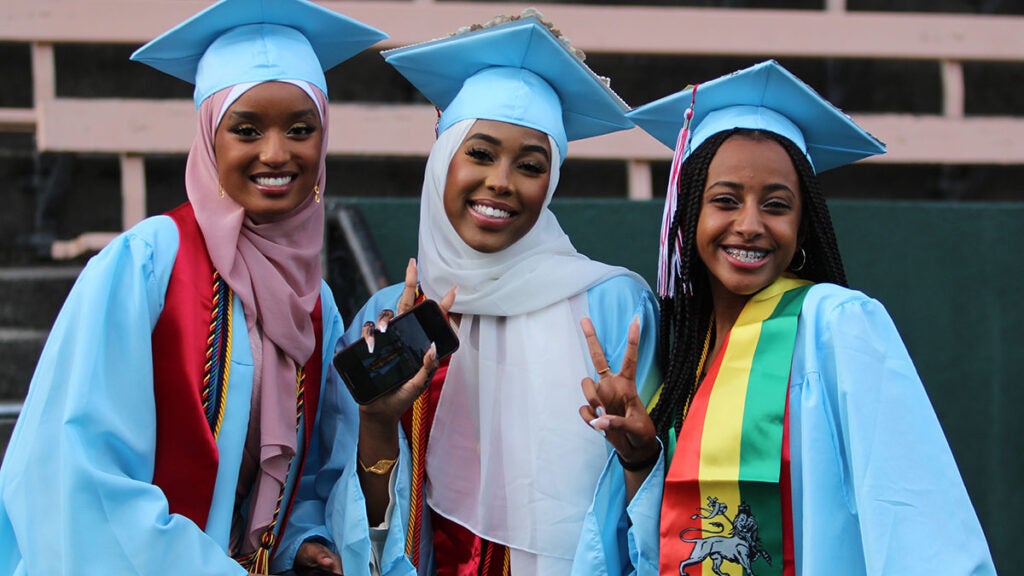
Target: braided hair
x=686, y=314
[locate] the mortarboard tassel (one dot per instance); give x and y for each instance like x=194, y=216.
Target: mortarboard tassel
x=667, y=271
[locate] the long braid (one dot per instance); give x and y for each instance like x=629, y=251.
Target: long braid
x=690, y=304
x=687, y=314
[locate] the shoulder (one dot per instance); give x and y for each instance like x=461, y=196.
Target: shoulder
x=829, y=302
x=625, y=292
x=832, y=313
x=150, y=247
x=158, y=233
x=614, y=303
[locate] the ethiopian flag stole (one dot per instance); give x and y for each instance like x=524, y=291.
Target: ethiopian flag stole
x=723, y=500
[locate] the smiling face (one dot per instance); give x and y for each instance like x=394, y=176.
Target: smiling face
x=267, y=148
x=749, y=223
x=497, y=183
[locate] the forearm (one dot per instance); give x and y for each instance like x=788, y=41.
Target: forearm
x=378, y=445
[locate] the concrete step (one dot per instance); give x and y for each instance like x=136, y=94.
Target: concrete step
x=19, y=352
x=31, y=297
x=8, y=417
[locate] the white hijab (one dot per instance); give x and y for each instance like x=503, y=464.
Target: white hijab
x=508, y=457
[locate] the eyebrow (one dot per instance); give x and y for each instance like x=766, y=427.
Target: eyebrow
x=773, y=187
x=526, y=148
x=250, y=115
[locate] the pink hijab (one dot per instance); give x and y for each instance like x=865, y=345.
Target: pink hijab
x=285, y=258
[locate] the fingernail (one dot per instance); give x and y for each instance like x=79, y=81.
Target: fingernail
x=600, y=411
x=433, y=351
x=594, y=423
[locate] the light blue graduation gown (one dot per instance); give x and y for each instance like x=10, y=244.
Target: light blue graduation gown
x=611, y=306
x=875, y=486
x=75, y=485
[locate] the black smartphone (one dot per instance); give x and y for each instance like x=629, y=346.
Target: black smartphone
x=372, y=367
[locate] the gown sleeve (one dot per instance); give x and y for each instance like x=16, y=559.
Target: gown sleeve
x=75, y=484
x=897, y=472
x=618, y=538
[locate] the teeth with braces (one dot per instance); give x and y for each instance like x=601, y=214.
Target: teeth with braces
x=749, y=256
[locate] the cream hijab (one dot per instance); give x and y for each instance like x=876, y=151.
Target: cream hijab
x=508, y=457
x=285, y=258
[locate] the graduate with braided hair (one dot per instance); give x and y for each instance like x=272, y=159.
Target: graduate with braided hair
x=792, y=431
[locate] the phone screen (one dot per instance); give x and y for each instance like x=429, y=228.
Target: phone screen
x=396, y=354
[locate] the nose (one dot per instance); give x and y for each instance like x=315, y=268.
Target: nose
x=749, y=223
x=275, y=150
x=499, y=178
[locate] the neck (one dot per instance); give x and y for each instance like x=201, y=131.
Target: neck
x=726, y=308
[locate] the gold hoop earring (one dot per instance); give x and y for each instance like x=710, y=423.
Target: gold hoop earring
x=316, y=193
x=221, y=191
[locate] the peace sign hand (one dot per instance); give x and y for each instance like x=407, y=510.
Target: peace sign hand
x=614, y=408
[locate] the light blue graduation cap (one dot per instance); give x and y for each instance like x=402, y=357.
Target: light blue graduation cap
x=517, y=72
x=765, y=96
x=238, y=41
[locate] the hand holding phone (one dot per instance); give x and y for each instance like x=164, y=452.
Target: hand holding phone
x=385, y=359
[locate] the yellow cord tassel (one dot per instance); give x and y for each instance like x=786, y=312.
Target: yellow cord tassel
x=259, y=561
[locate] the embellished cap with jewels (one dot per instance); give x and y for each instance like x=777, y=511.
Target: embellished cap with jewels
x=517, y=72
x=239, y=41
x=765, y=96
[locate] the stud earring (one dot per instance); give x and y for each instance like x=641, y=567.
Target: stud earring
x=316, y=193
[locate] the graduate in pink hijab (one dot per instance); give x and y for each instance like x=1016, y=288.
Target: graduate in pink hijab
x=185, y=417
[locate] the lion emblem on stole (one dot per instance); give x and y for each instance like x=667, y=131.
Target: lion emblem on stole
x=741, y=546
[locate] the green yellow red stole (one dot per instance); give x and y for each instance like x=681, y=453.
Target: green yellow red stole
x=726, y=503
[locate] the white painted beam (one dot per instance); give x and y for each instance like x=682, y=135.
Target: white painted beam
x=161, y=127
x=615, y=29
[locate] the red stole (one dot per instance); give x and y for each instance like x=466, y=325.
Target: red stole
x=186, y=450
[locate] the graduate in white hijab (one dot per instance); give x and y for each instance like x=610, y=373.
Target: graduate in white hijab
x=509, y=471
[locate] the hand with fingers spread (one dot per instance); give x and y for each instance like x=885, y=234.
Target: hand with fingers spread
x=614, y=408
